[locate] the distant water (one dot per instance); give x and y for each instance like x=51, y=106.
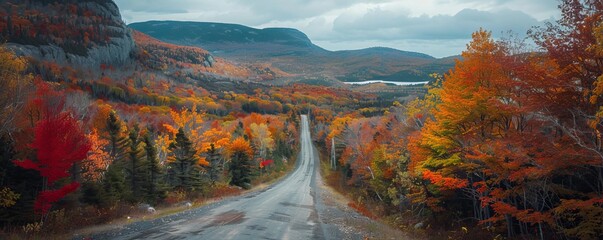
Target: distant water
x=381, y=81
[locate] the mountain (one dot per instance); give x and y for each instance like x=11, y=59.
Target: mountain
x=292, y=51
x=83, y=33
x=208, y=33
x=230, y=40
x=382, y=52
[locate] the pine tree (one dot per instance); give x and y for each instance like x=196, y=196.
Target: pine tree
x=114, y=183
x=154, y=190
x=114, y=179
x=135, y=167
x=183, y=170
x=117, y=140
x=215, y=165
x=240, y=163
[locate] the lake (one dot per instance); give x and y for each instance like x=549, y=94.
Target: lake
x=381, y=81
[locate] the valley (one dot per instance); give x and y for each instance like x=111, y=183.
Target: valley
x=185, y=129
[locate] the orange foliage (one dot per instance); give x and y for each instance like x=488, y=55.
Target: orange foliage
x=98, y=158
x=240, y=145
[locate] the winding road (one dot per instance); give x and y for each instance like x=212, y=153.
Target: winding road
x=289, y=209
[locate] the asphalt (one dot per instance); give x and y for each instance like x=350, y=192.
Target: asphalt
x=289, y=209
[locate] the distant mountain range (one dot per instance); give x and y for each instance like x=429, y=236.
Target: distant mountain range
x=292, y=51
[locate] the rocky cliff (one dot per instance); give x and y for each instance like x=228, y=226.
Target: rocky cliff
x=83, y=33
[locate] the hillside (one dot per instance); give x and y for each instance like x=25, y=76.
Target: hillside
x=293, y=52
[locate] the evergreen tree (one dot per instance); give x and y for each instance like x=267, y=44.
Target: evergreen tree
x=154, y=189
x=135, y=167
x=240, y=163
x=114, y=179
x=183, y=170
x=114, y=183
x=215, y=165
x=117, y=139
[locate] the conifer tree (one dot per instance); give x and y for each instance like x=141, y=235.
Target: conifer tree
x=183, y=170
x=154, y=189
x=114, y=180
x=215, y=167
x=135, y=167
x=240, y=163
x=117, y=139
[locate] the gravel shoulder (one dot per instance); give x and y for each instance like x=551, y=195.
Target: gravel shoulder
x=334, y=211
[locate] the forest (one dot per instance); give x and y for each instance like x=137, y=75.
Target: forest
x=509, y=141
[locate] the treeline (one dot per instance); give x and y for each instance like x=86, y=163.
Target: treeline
x=509, y=139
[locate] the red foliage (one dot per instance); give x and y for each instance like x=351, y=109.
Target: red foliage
x=445, y=183
x=266, y=163
x=60, y=143
x=46, y=198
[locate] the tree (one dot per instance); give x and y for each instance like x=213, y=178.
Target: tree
x=154, y=189
x=136, y=170
x=59, y=143
x=572, y=104
x=262, y=139
x=474, y=109
x=214, y=141
x=240, y=153
x=115, y=182
x=215, y=167
x=117, y=137
x=98, y=159
x=191, y=122
x=184, y=171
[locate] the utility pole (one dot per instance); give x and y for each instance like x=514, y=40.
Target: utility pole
x=333, y=157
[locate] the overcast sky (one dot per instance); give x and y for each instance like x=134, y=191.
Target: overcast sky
x=437, y=27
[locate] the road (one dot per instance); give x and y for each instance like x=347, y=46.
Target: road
x=290, y=209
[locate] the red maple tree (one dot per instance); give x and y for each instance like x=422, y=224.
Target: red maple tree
x=59, y=143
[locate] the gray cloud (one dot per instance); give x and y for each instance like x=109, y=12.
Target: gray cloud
x=341, y=24
x=388, y=25
x=296, y=9
x=156, y=6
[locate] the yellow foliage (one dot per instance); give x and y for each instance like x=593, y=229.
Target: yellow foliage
x=215, y=136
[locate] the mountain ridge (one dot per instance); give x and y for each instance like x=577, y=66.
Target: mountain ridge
x=292, y=51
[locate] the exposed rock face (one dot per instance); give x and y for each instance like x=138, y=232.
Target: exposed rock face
x=116, y=53
x=84, y=33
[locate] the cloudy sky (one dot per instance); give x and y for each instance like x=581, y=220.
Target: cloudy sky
x=437, y=27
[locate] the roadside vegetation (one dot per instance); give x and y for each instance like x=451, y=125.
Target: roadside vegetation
x=506, y=145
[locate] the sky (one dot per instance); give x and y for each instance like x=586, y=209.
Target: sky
x=436, y=27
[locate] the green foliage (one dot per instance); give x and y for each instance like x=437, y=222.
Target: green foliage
x=136, y=168
x=117, y=139
x=215, y=164
x=114, y=183
x=240, y=153
x=184, y=172
x=154, y=189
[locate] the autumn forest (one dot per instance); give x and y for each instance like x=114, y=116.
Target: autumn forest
x=506, y=145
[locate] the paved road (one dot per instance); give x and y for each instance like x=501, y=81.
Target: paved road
x=286, y=210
